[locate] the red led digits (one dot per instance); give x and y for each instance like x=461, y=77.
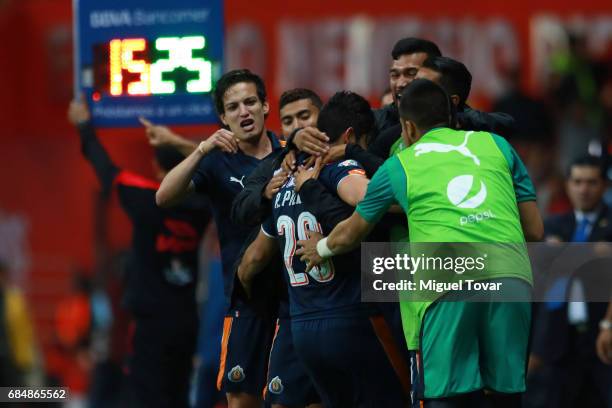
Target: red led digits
x=121, y=57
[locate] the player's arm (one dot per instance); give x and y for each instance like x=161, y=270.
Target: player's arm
x=252, y=205
x=255, y=259
x=160, y=136
x=349, y=233
x=381, y=145
x=106, y=171
x=531, y=221
x=496, y=122
x=352, y=188
x=178, y=183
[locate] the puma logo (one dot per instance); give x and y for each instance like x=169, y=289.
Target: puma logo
x=423, y=148
x=239, y=181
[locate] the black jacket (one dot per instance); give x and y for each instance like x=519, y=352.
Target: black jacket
x=554, y=338
x=469, y=119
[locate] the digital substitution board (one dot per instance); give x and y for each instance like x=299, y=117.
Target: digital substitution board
x=152, y=58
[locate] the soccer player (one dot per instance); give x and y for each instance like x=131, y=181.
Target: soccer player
x=288, y=384
x=299, y=108
x=464, y=346
x=337, y=338
x=407, y=56
x=161, y=279
x=218, y=168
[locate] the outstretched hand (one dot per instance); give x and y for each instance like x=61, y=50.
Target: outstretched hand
x=78, y=111
x=308, y=250
x=158, y=135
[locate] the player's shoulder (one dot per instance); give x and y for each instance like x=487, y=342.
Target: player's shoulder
x=342, y=165
x=216, y=162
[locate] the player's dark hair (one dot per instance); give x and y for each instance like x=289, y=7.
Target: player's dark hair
x=232, y=78
x=345, y=110
x=168, y=157
x=297, y=94
x=588, y=161
x=454, y=77
x=412, y=45
x=426, y=104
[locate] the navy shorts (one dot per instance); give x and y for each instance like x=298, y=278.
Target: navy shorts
x=353, y=362
x=245, y=347
x=288, y=383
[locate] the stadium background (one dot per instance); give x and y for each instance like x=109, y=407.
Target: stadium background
x=48, y=198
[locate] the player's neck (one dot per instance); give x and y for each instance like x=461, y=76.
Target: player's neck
x=258, y=147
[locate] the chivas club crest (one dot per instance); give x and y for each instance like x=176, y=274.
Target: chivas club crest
x=276, y=386
x=236, y=374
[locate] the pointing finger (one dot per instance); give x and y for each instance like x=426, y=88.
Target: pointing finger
x=145, y=122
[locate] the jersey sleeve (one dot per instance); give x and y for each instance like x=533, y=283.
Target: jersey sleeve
x=523, y=186
x=203, y=176
x=333, y=174
x=136, y=195
x=96, y=154
x=267, y=227
x=370, y=161
x=250, y=207
x=379, y=196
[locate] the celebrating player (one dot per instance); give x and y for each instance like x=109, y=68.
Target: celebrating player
x=454, y=365
x=337, y=338
x=218, y=168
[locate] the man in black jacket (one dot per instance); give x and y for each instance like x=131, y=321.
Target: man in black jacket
x=161, y=277
x=407, y=55
x=456, y=80
x=565, y=333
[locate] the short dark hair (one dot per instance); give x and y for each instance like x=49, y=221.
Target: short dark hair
x=344, y=110
x=412, y=45
x=232, y=78
x=588, y=161
x=297, y=94
x=454, y=76
x=425, y=103
x=167, y=157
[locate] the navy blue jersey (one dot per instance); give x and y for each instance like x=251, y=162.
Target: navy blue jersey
x=220, y=176
x=333, y=288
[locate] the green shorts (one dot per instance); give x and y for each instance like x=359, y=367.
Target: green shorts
x=467, y=346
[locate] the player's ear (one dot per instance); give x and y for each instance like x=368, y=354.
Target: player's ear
x=222, y=117
x=348, y=136
x=455, y=99
x=408, y=132
x=266, y=108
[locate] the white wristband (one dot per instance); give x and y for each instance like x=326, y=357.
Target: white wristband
x=323, y=250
